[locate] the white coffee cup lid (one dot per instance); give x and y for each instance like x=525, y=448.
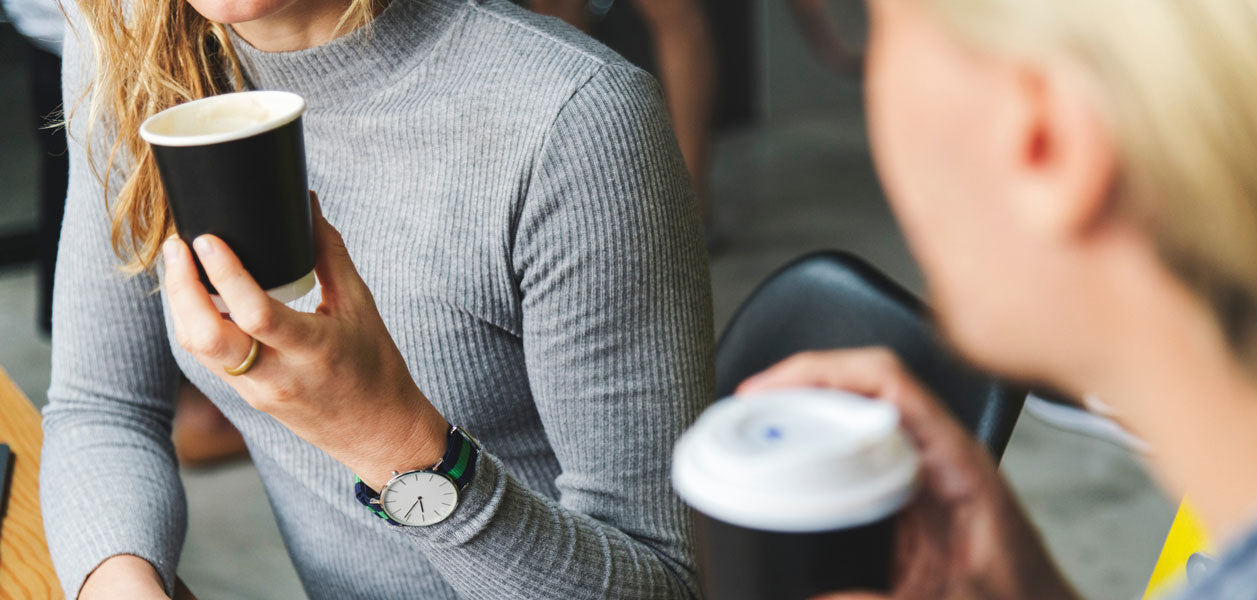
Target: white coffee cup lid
x=796, y=461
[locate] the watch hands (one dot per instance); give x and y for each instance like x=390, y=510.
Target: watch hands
x=421, y=508
x=412, y=507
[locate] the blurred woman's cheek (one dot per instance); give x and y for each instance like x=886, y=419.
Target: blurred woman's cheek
x=921, y=100
x=892, y=111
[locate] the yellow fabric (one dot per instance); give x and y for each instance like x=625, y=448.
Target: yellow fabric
x=1186, y=537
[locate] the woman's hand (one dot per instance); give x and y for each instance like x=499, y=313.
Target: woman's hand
x=964, y=536
x=129, y=576
x=123, y=576
x=334, y=377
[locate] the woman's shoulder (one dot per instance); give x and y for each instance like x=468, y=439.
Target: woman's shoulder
x=540, y=54
x=521, y=29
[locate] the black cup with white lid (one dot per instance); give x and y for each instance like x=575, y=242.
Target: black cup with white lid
x=234, y=165
x=795, y=493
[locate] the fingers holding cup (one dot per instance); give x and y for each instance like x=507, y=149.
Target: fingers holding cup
x=252, y=310
x=199, y=328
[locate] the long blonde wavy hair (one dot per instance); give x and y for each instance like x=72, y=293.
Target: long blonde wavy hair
x=160, y=54
x=1178, y=83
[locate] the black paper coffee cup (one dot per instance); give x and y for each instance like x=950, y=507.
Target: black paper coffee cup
x=795, y=493
x=234, y=165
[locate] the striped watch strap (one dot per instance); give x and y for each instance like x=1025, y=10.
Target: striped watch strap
x=370, y=499
x=459, y=463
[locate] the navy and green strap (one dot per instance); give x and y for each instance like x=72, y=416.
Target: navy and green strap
x=366, y=495
x=459, y=463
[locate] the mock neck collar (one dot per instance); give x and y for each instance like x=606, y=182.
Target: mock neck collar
x=365, y=58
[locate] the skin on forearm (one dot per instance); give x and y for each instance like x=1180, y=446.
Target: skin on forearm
x=402, y=442
x=123, y=576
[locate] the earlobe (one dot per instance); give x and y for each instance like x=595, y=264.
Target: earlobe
x=1067, y=160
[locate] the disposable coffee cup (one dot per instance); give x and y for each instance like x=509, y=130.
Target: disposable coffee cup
x=795, y=493
x=234, y=165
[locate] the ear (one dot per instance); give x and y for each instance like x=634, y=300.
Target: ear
x=1065, y=159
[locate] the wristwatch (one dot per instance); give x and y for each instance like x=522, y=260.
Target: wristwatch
x=425, y=497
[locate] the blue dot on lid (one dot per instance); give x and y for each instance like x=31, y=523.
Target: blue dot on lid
x=773, y=433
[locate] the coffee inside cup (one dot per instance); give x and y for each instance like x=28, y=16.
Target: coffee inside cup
x=222, y=118
x=795, y=492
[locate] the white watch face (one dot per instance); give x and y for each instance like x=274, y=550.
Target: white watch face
x=419, y=498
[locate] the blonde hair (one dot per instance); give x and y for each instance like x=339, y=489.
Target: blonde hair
x=161, y=54
x=1177, y=83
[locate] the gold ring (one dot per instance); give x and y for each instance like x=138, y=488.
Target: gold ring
x=248, y=361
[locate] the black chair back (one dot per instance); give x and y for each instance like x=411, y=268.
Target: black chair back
x=833, y=300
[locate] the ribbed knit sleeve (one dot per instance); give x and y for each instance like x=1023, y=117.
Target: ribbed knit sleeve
x=515, y=197
x=108, y=480
x=617, y=339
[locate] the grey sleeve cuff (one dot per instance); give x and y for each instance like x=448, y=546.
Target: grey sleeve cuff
x=107, y=490
x=85, y=527
x=478, y=503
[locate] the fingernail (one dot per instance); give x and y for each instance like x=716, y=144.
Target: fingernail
x=203, y=246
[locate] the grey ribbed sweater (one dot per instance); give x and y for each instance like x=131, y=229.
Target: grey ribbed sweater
x=512, y=193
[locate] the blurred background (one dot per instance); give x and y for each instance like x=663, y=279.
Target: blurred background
x=789, y=173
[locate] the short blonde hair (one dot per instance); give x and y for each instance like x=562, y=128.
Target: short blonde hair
x=1177, y=82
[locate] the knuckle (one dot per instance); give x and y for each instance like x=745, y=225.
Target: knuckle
x=322, y=362
x=214, y=267
x=336, y=245
x=181, y=337
x=258, y=321
x=339, y=248
x=229, y=281
x=261, y=403
x=335, y=238
x=238, y=276
x=205, y=343
x=219, y=268
x=276, y=396
x=322, y=344
x=177, y=292
x=284, y=394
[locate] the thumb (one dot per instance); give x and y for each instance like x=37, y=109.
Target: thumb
x=335, y=269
